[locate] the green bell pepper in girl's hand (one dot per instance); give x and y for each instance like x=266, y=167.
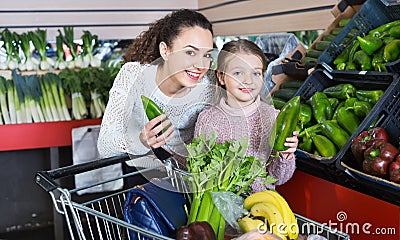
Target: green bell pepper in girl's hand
x=285, y=124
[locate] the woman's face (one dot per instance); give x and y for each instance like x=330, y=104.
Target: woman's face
x=243, y=79
x=189, y=57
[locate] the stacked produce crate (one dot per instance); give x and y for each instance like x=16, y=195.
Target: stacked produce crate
x=365, y=54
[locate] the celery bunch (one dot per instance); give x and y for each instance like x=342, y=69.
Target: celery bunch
x=219, y=167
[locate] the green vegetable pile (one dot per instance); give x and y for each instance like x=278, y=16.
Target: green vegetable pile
x=373, y=50
x=20, y=55
x=44, y=98
x=219, y=167
x=329, y=117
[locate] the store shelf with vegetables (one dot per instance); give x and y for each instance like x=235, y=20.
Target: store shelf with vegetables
x=44, y=94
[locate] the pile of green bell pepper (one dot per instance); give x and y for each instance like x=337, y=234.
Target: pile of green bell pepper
x=330, y=116
x=373, y=50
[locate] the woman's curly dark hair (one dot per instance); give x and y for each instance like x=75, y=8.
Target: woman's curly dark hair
x=144, y=48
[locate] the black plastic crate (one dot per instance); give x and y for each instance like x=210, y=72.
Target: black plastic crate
x=372, y=14
x=388, y=115
x=320, y=79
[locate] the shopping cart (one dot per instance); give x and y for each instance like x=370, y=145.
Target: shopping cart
x=102, y=217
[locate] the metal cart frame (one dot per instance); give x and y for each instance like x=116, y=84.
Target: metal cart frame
x=102, y=217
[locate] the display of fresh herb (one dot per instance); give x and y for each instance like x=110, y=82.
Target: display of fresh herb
x=92, y=78
x=72, y=84
x=219, y=167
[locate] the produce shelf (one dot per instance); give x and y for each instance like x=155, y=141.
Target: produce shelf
x=40, y=135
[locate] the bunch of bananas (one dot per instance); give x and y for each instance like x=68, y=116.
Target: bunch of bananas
x=269, y=208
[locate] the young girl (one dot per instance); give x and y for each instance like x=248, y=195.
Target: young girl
x=168, y=64
x=242, y=113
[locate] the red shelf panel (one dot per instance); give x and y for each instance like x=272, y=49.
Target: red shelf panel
x=40, y=135
x=361, y=216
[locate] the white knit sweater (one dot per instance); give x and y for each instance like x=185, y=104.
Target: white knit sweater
x=125, y=117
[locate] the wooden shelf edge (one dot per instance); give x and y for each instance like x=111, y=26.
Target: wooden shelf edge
x=40, y=135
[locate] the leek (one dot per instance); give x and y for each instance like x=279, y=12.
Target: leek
x=11, y=101
x=3, y=100
x=73, y=86
x=25, y=46
x=90, y=43
x=39, y=41
x=11, y=47
x=45, y=100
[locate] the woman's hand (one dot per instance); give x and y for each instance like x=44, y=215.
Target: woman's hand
x=292, y=143
x=150, y=137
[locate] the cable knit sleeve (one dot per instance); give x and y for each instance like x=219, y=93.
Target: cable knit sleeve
x=113, y=140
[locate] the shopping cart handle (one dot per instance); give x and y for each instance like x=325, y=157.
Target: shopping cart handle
x=45, y=179
x=161, y=153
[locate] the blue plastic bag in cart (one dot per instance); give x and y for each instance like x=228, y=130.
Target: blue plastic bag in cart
x=156, y=207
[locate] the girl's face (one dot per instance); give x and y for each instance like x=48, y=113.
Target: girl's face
x=243, y=79
x=189, y=57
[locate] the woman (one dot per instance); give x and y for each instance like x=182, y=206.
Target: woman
x=167, y=63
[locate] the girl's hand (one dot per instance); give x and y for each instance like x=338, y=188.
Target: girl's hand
x=150, y=137
x=292, y=143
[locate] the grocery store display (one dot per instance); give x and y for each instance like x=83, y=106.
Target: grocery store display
x=361, y=44
x=339, y=104
x=80, y=55
x=62, y=96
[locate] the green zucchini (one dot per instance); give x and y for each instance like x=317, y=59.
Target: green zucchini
x=308, y=59
x=292, y=84
x=313, y=53
x=328, y=37
x=336, y=31
x=322, y=45
x=285, y=93
x=344, y=22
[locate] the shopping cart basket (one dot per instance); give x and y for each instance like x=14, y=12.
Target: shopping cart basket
x=102, y=217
